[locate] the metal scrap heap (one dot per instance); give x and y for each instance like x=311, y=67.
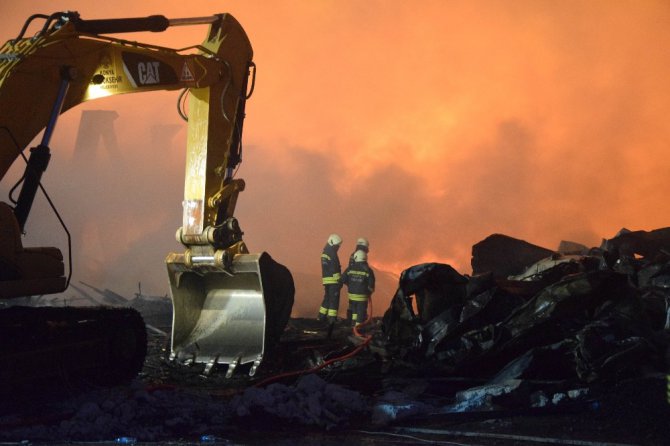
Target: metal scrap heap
x=578, y=316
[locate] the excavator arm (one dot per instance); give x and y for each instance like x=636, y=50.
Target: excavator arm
x=227, y=303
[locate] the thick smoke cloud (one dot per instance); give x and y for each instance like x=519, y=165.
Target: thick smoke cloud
x=425, y=129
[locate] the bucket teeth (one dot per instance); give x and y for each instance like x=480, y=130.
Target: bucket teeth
x=257, y=363
x=210, y=367
x=231, y=369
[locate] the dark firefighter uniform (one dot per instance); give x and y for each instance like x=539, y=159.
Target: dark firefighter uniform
x=330, y=277
x=360, y=281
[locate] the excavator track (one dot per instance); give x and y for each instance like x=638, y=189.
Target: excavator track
x=48, y=347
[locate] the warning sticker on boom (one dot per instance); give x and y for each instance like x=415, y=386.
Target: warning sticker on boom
x=186, y=74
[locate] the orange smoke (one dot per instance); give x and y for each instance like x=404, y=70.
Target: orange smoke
x=422, y=127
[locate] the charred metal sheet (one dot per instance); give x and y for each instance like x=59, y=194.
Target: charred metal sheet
x=556, y=313
x=400, y=326
x=549, y=362
x=656, y=274
x=486, y=309
x=572, y=248
x=489, y=307
x=553, y=268
x=505, y=256
x=509, y=393
x=646, y=244
x=479, y=283
x=436, y=286
x=613, y=349
x=440, y=292
x=438, y=328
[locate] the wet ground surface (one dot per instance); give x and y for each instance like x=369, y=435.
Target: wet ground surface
x=174, y=404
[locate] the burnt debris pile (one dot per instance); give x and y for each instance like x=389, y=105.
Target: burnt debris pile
x=577, y=317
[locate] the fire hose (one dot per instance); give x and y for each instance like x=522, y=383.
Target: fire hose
x=351, y=354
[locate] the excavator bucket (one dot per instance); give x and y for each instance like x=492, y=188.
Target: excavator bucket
x=229, y=317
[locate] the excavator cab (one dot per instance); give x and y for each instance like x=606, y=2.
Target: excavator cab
x=26, y=271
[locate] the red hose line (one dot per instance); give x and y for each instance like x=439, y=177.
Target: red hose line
x=351, y=354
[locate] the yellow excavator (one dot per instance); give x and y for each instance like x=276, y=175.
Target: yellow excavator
x=229, y=306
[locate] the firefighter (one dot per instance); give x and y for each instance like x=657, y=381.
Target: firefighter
x=362, y=245
x=330, y=277
x=360, y=281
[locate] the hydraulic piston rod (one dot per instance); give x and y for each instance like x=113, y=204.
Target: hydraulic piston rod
x=40, y=155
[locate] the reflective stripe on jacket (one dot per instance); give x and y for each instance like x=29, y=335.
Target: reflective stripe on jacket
x=359, y=297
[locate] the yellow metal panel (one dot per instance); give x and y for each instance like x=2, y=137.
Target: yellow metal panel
x=196, y=161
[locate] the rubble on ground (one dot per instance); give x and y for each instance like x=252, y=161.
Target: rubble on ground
x=311, y=401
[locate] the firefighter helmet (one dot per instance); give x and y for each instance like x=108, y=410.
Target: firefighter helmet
x=360, y=256
x=362, y=242
x=334, y=240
